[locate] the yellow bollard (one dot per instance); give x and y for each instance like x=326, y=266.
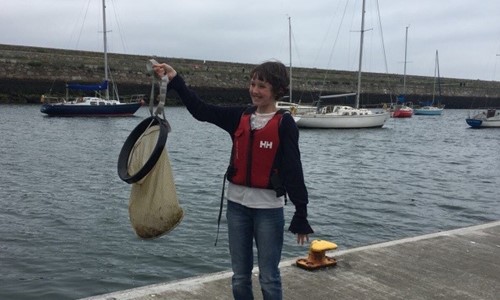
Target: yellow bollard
x=317, y=258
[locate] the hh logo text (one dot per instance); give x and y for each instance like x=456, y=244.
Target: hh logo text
x=266, y=145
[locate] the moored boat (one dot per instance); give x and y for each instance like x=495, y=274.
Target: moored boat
x=343, y=116
x=429, y=108
x=403, y=109
x=90, y=106
x=486, y=119
x=98, y=105
x=294, y=108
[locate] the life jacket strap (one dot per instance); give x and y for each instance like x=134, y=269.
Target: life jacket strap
x=220, y=209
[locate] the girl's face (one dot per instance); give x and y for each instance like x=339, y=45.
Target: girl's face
x=262, y=95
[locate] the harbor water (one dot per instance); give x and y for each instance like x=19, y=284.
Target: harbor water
x=64, y=227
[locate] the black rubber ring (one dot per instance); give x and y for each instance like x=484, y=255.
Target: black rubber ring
x=123, y=158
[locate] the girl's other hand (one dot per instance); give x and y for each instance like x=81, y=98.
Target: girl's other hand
x=302, y=238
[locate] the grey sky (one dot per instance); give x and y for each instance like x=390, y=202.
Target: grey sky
x=466, y=32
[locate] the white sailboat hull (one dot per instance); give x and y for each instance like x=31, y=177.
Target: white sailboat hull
x=335, y=121
x=492, y=123
x=429, y=111
x=489, y=118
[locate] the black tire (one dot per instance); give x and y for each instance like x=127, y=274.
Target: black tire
x=127, y=147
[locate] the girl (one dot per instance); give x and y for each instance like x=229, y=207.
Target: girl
x=265, y=167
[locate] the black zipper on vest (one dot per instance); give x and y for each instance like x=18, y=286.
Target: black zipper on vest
x=249, y=158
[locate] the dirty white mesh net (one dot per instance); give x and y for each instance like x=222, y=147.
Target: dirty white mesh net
x=153, y=206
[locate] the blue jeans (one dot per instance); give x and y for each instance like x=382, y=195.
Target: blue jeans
x=266, y=226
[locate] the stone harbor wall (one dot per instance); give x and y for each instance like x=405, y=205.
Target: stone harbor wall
x=28, y=72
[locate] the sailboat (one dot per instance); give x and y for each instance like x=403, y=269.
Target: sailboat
x=429, y=108
x=97, y=105
x=343, y=116
x=294, y=108
x=403, y=109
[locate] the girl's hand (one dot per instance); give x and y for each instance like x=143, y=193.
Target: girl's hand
x=302, y=238
x=164, y=69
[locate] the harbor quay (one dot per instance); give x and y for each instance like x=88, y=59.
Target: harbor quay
x=457, y=264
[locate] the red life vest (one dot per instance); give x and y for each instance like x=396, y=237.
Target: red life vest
x=254, y=152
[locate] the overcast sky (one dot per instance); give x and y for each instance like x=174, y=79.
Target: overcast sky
x=325, y=33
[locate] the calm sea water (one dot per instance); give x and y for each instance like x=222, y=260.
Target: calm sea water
x=64, y=227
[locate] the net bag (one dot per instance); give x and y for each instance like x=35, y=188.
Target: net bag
x=154, y=209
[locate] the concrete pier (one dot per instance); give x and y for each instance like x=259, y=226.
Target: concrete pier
x=456, y=264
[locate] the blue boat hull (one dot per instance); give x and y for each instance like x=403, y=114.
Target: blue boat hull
x=74, y=110
x=474, y=123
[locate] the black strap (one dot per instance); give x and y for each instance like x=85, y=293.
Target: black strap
x=220, y=209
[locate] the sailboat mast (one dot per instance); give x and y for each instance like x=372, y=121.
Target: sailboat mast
x=290, y=50
x=436, y=78
x=356, y=105
x=406, y=52
x=105, y=42
x=439, y=75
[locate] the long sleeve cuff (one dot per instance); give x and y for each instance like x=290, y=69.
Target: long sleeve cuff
x=300, y=225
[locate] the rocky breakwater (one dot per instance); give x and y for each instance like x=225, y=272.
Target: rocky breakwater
x=28, y=72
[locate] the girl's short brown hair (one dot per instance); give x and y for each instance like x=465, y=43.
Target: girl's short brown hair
x=276, y=74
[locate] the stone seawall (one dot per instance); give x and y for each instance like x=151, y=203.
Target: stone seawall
x=28, y=72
